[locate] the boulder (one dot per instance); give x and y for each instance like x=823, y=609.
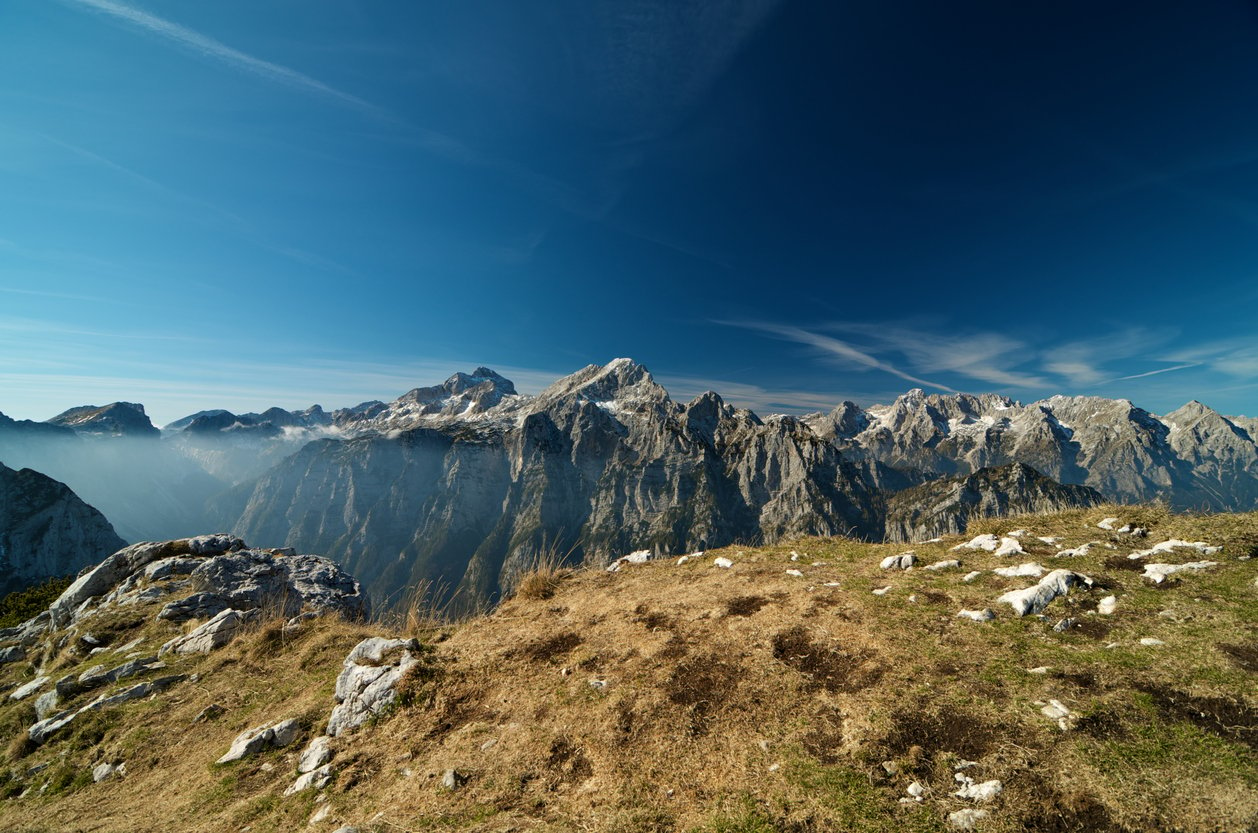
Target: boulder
x=216, y=633
x=247, y=743
x=315, y=779
x=367, y=681
x=28, y=689
x=1035, y=598
x=318, y=753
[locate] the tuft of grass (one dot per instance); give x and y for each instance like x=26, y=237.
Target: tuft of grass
x=545, y=575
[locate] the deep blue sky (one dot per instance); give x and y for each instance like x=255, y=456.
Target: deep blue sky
x=238, y=204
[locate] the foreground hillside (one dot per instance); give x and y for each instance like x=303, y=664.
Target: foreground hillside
x=777, y=693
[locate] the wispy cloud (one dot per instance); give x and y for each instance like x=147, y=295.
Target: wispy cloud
x=835, y=349
x=1157, y=372
x=216, y=50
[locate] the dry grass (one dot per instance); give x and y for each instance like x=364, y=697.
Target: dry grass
x=740, y=699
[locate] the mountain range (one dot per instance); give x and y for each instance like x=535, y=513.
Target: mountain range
x=468, y=483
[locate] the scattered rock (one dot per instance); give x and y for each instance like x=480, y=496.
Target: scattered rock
x=795, y=573
x=28, y=689
x=315, y=755
x=1151, y=642
x=106, y=771
x=1176, y=544
x=980, y=542
x=1107, y=524
x=966, y=819
x=1106, y=606
x=46, y=703
x=1039, y=669
x=1009, y=546
x=985, y=791
x=248, y=743
x=285, y=732
x=315, y=779
x=984, y=615
x=882, y=591
x=916, y=790
x=1064, y=625
x=970, y=576
x=1158, y=572
x=1056, y=710
x=13, y=653
x=638, y=557
x=722, y=561
x=1029, y=568
x=452, y=779
x=1049, y=539
x=211, y=712
x=950, y=564
x=367, y=681
x=902, y=561
x=216, y=633
x=1035, y=598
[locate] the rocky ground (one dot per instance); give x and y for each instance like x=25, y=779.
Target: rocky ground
x=1090, y=670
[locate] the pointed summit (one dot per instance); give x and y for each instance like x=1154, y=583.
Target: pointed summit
x=620, y=380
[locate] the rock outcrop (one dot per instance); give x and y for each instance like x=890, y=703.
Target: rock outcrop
x=46, y=530
x=947, y=505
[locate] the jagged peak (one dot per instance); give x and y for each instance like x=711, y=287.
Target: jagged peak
x=618, y=379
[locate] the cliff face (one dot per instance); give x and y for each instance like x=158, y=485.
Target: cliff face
x=46, y=530
x=601, y=463
x=946, y=506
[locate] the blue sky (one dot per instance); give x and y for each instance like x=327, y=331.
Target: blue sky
x=244, y=204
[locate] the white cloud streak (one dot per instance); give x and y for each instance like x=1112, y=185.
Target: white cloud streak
x=1156, y=372
x=846, y=354
x=218, y=51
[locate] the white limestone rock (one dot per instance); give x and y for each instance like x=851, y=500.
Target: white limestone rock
x=315, y=779
x=1157, y=573
x=903, y=561
x=1009, y=546
x=1106, y=606
x=722, y=561
x=315, y=755
x=950, y=564
x=1029, y=568
x=28, y=689
x=989, y=543
x=984, y=615
x=985, y=791
x=966, y=819
x=970, y=576
x=369, y=675
x=1035, y=598
x=216, y=633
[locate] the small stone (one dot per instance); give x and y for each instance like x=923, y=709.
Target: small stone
x=598, y=685
x=1106, y=606
x=722, y=561
x=795, y=573
x=1064, y=625
x=1039, y=669
x=970, y=576
x=916, y=790
x=285, y=732
x=489, y=744
x=248, y=742
x=903, y=561
x=985, y=791
x=774, y=767
x=966, y=819
x=950, y=564
x=452, y=779
x=984, y=615
x=28, y=689
x=321, y=814
x=1029, y=568
x=103, y=772
x=1107, y=523
x=1151, y=642
x=882, y=591
x=46, y=703
x=211, y=712
x=316, y=779
x=318, y=753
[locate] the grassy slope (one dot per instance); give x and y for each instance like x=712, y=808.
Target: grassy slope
x=735, y=700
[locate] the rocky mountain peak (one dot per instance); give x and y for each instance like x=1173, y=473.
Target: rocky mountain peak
x=117, y=419
x=621, y=381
